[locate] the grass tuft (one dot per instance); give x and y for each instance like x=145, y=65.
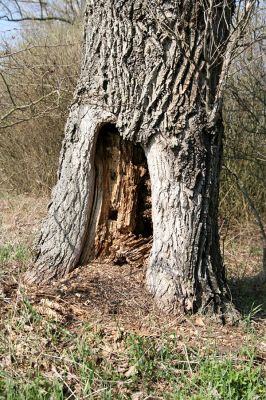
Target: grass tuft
x=14, y=252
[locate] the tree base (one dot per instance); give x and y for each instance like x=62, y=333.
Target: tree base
x=175, y=296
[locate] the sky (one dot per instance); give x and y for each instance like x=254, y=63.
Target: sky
x=9, y=32
x=9, y=29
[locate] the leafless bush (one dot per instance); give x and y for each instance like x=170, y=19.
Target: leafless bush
x=68, y=11
x=243, y=185
x=38, y=74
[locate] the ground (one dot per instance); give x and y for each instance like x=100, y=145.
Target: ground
x=97, y=333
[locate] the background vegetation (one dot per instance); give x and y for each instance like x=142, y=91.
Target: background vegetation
x=38, y=73
x=243, y=180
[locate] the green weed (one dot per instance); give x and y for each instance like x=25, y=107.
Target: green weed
x=223, y=379
x=14, y=252
x=248, y=317
x=39, y=388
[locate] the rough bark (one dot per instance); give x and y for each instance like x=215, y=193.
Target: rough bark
x=151, y=68
x=186, y=269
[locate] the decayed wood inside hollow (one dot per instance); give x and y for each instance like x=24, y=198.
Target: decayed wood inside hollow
x=122, y=199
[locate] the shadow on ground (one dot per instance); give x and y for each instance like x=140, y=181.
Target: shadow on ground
x=249, y=295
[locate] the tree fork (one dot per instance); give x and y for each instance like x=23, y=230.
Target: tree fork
x=154, y=70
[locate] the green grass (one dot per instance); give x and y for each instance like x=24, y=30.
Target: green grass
x=222, y=379
x=41, y=358
x=14, y=252
x=39, y=389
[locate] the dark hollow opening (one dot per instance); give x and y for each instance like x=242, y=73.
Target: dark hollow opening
x=122, y=178
x=113, y=214
x=143, y=214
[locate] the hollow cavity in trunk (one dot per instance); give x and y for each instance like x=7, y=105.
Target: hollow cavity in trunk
x=121, y=216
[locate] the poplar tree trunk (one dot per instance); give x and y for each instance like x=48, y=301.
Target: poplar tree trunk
x=150, y=76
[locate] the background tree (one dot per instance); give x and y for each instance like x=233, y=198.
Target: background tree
x=243, y=185
x=39, y=67
x=67, y=11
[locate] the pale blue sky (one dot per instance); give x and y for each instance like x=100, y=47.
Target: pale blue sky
x=9, y=32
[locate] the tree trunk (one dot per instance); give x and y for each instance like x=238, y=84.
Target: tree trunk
x=150, y=74
x=186, y=269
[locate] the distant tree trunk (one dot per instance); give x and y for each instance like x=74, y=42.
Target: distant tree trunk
x=151, y=71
